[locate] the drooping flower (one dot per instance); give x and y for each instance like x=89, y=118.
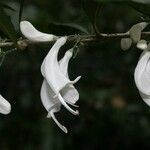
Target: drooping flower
x=5, y=106
x=69, y=93
x=142, y=76
x=57, y=89
x=55, y=77
x=32, y=34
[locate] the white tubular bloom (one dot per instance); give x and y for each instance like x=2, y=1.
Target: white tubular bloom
x=142, y=76
x=32, y=34
x=54, y=76
x=50, y=98
x=5, y=106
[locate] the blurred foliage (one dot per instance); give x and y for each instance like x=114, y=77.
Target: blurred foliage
x=112, y=113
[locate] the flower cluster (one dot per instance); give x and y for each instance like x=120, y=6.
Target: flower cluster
x=57, y=89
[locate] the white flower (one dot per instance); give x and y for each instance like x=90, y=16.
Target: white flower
x=32, y=34
x=54, y=76
x=59, y=71
x=5, y=106
x=142, y=76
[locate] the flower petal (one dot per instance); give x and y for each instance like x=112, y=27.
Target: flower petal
x=43, y=68
x=5, y=106
x=63, y=63
x=69, y=93
x=53, y=74
x=142, y=73
x=146, y=98
x=47, y=98
x=51, y=104
x=32, y=34
x=63, y=128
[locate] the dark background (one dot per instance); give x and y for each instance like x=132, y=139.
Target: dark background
x=112, y=114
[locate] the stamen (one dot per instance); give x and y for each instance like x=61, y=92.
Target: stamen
x=72, y=104
x=76, y=80
x=66, y=106
x=63, y=128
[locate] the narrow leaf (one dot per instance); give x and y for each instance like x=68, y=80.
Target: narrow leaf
x=3, y=5
x=135, y=31
x=21, y=9
x=6, y=26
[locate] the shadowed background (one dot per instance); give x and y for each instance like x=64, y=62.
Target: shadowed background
x=112, y=114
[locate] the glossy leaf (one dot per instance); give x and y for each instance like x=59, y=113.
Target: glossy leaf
x=6, y=26
x=66, y=28
x=21, y=9
x=3, y=5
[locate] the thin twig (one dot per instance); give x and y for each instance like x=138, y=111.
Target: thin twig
x=6, y=44
x=74, y=38
x=10, y=51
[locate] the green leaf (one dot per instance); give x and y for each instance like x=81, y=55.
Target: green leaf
x=3, y=5
x=21, y=9
x=6, y=26
x=142, y=8
x=135, y=31
x=66, y=28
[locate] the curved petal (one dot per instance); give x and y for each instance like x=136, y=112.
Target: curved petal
x=53, y=74
x=43, y=69
x=146, y=98
x=47, y=98
x=142, y=73
x=5, y=106
x=32, y=34
x=51, y=104
x=63, y=63
x=69, y=93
